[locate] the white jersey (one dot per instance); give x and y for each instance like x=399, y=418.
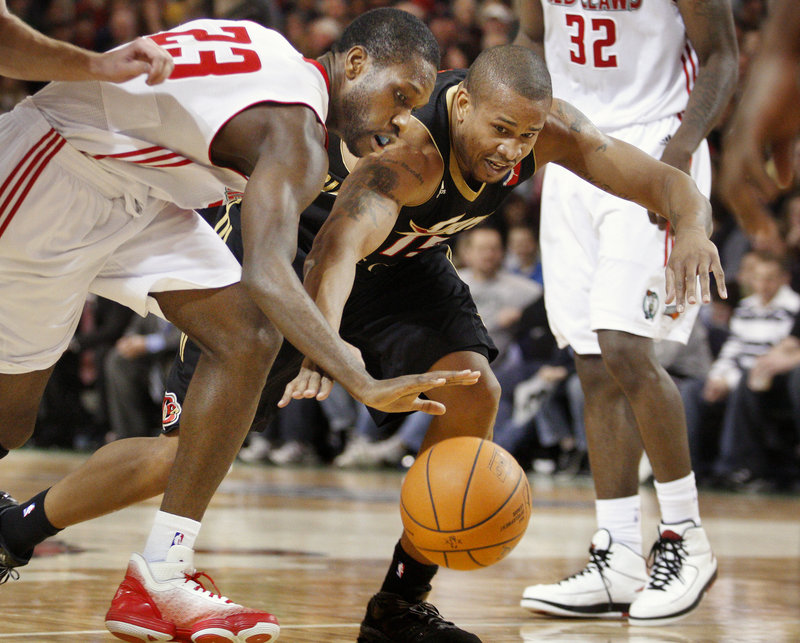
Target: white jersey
x=621, y=62
x=160, y=136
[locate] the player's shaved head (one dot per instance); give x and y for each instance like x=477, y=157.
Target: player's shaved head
x=390, y=36
x=518, y=68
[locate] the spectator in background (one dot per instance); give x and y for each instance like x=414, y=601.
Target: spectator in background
x=501, y=297
x=523, y=253
x=135, y=371
x=74, y=409
x=759, y=321
x=765, y=416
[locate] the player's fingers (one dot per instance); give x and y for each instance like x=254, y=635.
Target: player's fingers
x=305, y=384
x=691, y=287
x=288, y=394
x=160, y=69
x=680, y=288
x=783, y=156
x=719, y=277
x=670, y=285
x=313, y=383
x=325, y=387
x=705, y=284
x=460, y=378
x=428, y=406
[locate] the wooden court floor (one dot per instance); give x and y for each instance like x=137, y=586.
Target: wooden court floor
x=312, y=545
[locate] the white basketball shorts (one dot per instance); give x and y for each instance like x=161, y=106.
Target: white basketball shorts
x=68, y=227
x=603, y=261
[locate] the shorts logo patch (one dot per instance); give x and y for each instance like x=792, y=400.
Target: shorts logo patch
x=170, y=410
x=650, y=304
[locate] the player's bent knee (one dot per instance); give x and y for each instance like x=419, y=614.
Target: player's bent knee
x=250, y=346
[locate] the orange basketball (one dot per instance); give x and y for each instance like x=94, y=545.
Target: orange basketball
x=465, y=503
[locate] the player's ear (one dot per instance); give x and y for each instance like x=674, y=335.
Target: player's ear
x=355, y=62
x=463, y=102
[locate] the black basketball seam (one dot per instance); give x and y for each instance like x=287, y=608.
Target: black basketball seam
x=465, y=551
x=475, y=560
x=500, y=508
x=469, y=481
x=428, y=484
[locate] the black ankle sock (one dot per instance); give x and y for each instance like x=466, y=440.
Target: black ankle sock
x=408, y=577
x=26, y=526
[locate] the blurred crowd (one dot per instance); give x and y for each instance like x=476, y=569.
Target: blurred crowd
x=739, y=375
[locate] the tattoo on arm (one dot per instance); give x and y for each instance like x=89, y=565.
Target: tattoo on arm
x=568, y=114
x=367, y=194
x=585, y=175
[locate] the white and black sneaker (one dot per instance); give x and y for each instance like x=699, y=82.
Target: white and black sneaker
x=605, y=588
x=683, y=567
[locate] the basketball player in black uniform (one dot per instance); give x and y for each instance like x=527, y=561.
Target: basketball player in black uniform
x=482, y=132
x=379, y=271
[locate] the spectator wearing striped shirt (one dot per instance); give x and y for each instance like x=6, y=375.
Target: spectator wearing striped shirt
x=759, y=322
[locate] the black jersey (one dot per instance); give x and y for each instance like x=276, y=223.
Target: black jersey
x=454, y=207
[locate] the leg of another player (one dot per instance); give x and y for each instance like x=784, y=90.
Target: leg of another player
x=654, y=399
x=239, y=344
x=408, y=581
x=616, y=570
x=683, y=564
x=20, y=395
x=160, y=596
x=470, y=411
x=115, y=476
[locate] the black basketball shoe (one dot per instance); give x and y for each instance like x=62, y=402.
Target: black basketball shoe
x=9, y=560
x=392, y=619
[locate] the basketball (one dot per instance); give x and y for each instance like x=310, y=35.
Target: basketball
x=465, y=503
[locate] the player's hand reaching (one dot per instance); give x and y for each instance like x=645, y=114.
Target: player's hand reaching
x=693, y=256
x=401, y=394
x=142, y=56
x=311, y=381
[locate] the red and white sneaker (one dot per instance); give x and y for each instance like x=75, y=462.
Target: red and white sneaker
x=165, y=601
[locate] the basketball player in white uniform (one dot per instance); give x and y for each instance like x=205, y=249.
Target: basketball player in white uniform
x=656, y=74
x=97, y=182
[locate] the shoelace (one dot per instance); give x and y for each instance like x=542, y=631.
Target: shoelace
x=667, y=557
x=195, y=578
x=429, y=614
x=6, y=573
x=598, y=559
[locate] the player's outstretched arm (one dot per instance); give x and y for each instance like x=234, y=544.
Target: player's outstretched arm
x=363, y=216
x=758, y=148
x=27, y=54
x=571, y=140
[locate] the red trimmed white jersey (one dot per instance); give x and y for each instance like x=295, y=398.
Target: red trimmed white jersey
x=621, y=62
x=161, y=135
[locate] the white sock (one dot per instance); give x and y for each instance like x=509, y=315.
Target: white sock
x=678, y=500
x=168, y=530
x=622, y=517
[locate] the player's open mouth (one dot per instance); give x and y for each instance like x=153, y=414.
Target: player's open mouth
x=497, y=167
